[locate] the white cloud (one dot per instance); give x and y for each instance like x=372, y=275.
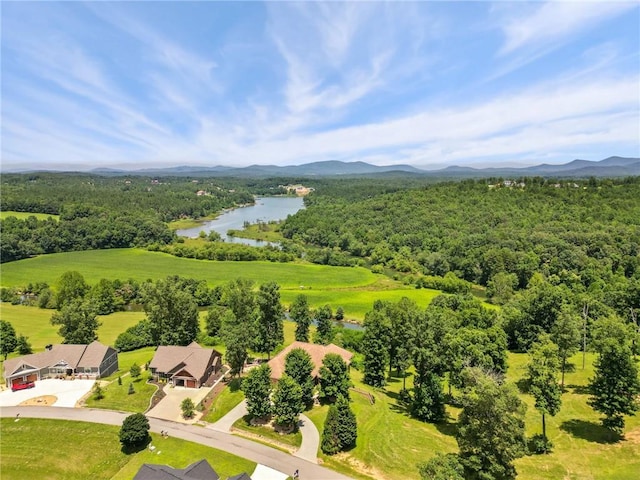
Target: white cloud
x=553, y=22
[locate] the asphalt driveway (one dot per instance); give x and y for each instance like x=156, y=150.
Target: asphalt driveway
x=67, y=392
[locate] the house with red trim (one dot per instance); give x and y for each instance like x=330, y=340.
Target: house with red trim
x=94, y=360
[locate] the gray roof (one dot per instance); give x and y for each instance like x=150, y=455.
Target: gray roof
x=74, y=356
x=196, y=471
x=192, y=358
x=240, y=476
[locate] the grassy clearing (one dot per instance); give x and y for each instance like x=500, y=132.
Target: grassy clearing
x=267, y=233
x=57, y=449
x=126, y=359
x=25, y=215
x=356, y=303
x=116, y=396
x=141, y=265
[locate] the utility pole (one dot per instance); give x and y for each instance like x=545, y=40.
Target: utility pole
x=585, y=315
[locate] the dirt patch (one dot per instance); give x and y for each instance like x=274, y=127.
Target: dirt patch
x=360, y=466
x=43, y=401
x=633, y=436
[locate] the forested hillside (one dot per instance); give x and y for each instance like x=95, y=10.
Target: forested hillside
x=573, y=232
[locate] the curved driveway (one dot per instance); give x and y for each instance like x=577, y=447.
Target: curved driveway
x=223, y=441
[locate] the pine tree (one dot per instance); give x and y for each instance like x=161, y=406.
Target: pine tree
x=347, y=425
x=330, y=443
x=334, y=378
x=375, y=348
x=131, y=390
x=300, y=313
x=324, y=332
x=269, y=328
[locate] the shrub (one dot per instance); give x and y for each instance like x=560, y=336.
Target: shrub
x=188, y=408
x=539, y=445
x=134, y=431
x=131, y=390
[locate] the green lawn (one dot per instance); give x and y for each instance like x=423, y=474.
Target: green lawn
x=231, y=396
x=141, y=265
x=390, y=443
x=116, y=396
x=357, y=302
x=56, y=449
x=126, y=359
x=25, y=215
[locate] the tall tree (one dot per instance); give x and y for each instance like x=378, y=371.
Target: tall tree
x=330, y=443
x=566, y=334
x=324, y=332
x=71, y=286
x=287, y=402
x=347, y=424
x=375, y=348
x=269, y=329
x=23, y=345
x=300, y=313
x=78, y=322
x=299, y=365
x=428, y=403
x=402, y=316
x=172, y=313
x=615, y=386
x=236, y=341
x=542, y=371
x=490, y=428
x=213, y=322
x=8, y=340
x=103, y=296
x=257, y=391
x=239, y=296
x=334, y=378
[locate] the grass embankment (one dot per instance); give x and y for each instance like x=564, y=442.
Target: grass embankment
x=65, y=450
x=390, y=443
x=266, y=433
x=228, y=398
x=116, y=397
x=25, y=215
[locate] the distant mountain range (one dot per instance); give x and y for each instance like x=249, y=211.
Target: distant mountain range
x=609, y=167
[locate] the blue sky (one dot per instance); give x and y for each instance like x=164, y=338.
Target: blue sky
x=142, y=84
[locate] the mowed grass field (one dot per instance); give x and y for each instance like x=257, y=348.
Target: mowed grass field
x=141, y=265
x=390, y=443
x=352, y=288
x=65, y=450
x=25, y=215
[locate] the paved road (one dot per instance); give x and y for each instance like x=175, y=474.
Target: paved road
x=310, y=436
x=224, y=441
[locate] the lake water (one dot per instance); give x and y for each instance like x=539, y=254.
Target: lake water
x=265, y=209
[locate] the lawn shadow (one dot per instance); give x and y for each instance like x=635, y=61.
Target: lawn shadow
x=235, y=385
x=447, y=428
x=579, y=389
x=523, y=385
x=590, y=431
x=138, y=447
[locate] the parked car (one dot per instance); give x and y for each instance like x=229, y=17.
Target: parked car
x=22, y=386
